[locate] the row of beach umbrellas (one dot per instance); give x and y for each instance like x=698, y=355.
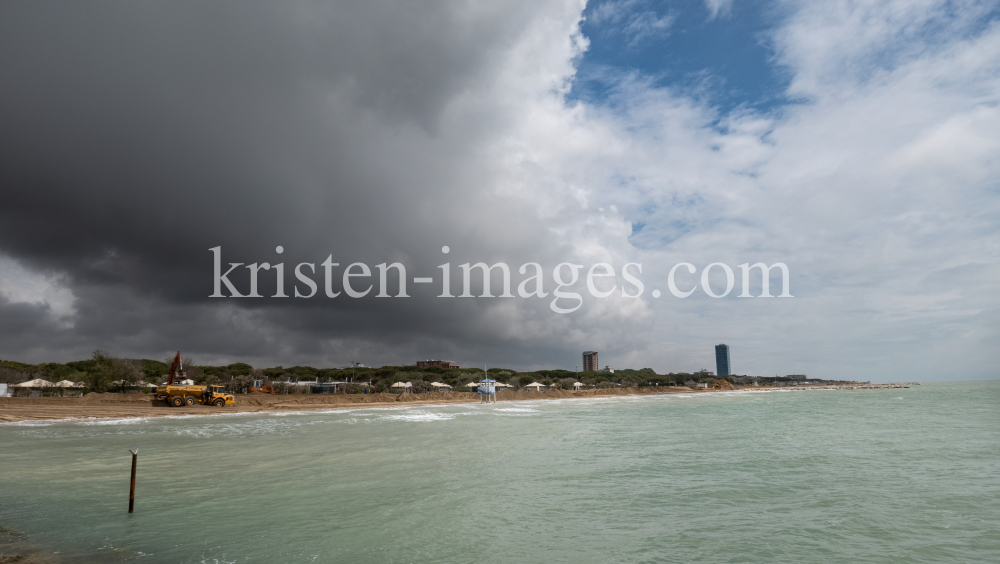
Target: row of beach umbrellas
x=439, y=385
x=538, y=387
x=39, y=383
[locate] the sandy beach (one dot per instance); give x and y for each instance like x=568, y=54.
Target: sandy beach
x=104, y=406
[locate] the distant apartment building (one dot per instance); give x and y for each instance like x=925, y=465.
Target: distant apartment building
x=722, y=367
x=590, y=363
x=437, y=363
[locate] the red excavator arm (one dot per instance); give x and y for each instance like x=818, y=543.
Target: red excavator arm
x=177, y=366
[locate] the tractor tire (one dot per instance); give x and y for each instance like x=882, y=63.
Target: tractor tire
x=189, y=401
x=219, y=402
x=176, y=401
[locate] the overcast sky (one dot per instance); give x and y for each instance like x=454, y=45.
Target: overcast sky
x=855, y=142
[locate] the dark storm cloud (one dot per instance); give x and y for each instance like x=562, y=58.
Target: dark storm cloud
x=135, y=136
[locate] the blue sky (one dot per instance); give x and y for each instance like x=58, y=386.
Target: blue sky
x=724, y=58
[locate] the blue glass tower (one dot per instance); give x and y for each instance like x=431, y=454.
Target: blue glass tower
x=722, y=360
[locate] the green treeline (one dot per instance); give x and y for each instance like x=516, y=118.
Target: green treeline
x=106, y=373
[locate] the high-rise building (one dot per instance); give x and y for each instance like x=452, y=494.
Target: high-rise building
x=590, y=363
x=722, y=360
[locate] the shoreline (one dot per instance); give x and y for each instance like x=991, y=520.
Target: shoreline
x=125, y=406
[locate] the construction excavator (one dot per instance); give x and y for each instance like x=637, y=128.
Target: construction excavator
x=185, y=395
x=258, y=386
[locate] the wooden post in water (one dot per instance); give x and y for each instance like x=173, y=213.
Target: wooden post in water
x=131, y=489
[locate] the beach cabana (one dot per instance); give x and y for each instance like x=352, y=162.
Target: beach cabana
x=334, y=387
x=472, y=385
x=68, y=384
x=577, y=385
x=399, y=387
x=535, y=386
x=440, y=387
x=34, y=388
x=36, y=383
x=70, y=388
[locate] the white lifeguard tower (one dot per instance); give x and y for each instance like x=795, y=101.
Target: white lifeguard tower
x=487, y=388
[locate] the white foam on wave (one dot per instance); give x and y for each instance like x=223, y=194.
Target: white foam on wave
x=516, y=410
x=420, y=416
x=115, y=421
x=32, y=423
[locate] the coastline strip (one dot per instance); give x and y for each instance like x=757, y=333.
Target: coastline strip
x=125, y=406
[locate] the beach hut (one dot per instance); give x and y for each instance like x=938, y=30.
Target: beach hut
x=440, y=387
x=577, y=385
x=70, y=388
x=68, y=384
x=334, y=387
x=535, y=386
x=36, y=383
x=34, y=388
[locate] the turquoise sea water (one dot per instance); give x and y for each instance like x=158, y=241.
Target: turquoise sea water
x=901, y=475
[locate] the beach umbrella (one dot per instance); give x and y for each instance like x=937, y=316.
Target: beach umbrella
x=68, y=384
x=535, y=385
x=36, y=383
x=398, y=385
